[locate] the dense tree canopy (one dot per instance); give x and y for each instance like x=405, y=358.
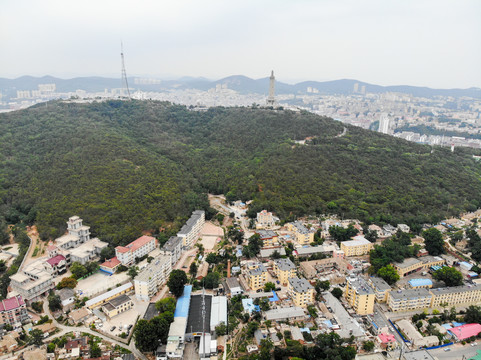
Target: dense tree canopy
x=177, y=280
x=449, y=275
x=130, y=166
x=433, y=241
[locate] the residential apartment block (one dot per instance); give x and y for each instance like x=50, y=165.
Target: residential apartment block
x=411, y=265
x=136, y=249
x=56, y=265
x=411, y=299
x=284, y=269
x=256, y=276
x=300, y=291
x=152, y=277
x=302, y=235
x=264, y=220
x=357, y=247
x=360, y=295
x=88, y=251
x=381, y=288
x=192, y=228
x=13, y=311
x=173, y=248
x=269, y=238
x=456, y=295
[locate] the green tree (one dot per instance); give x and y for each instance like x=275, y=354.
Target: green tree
x=473, y=314
x=221, y=329
x=337, y=292
x=133, y=271
x=78, y=270
x=145, y=336
x=193, y=269
x=449, y=275
x=322, y=285
x=95, y=351
x=368, y=346
x=177, y=280
x=338, y=233
x=212, y=258
x=167, y=304
x=275, y=255
x=36, y=337
x=211, y=281
x=433, y=241
x=67, y=282
x=107, y=253
x=51, y=347
x=389, y=274
x=54, y=302
x=92, y=267
x=269, y=286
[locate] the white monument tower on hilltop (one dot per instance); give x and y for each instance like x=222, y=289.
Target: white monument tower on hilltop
x=271, y=100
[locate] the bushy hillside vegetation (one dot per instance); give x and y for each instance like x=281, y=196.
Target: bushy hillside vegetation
x=131, y=166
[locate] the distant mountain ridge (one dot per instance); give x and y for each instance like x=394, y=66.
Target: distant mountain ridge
x=240, y=83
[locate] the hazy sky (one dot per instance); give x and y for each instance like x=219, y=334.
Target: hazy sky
x=434, y=43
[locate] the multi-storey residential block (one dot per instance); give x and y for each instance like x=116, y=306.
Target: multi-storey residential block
x=300, y=291
x=360, y=295
x=264, y=220
x=13, y=311
x=150, y=279
x=456, y=295
x=173, y=248
x=32, y=282
x=381, y=289
x=256, y=276
x=192, y=228
x=356, y=247
x=284, y=269
x=411, y=265
x=136, y=249
x=302, y=234
x=407, y=300
x=269, y=238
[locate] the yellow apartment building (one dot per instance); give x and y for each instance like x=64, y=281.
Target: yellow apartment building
x=284, y=269
x=269, y=238
x=411, y=299
x=360, y=295
x=117, y=305
x=256, y=277
x=381, y=288
x=411, y=265
x=302, y=235
x=358, y=246
x=300, y=291
x=456, y=295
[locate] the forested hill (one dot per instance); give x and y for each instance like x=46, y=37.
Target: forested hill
x=131, y=166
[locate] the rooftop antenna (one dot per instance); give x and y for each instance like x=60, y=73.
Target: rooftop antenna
x=125, y=83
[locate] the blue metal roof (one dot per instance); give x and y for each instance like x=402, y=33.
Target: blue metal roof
x=275, y=297
x=183, y=303
x=420, y=282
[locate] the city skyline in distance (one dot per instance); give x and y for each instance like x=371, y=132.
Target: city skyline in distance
x=422, y=43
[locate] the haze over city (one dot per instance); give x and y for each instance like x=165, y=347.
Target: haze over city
x=422, y=43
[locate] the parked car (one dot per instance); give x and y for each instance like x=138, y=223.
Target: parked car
x=112, y=328
x=447, y=349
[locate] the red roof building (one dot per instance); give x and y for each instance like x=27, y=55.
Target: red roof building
x=110, y=266
x=13, y=311
x=136, y=249
x=56, y=265
x=465, y=331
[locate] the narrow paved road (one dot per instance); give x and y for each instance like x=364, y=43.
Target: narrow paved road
x=65, y=329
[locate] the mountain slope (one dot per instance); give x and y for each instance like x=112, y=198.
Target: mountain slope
x=240, y=83
x=131, y=166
